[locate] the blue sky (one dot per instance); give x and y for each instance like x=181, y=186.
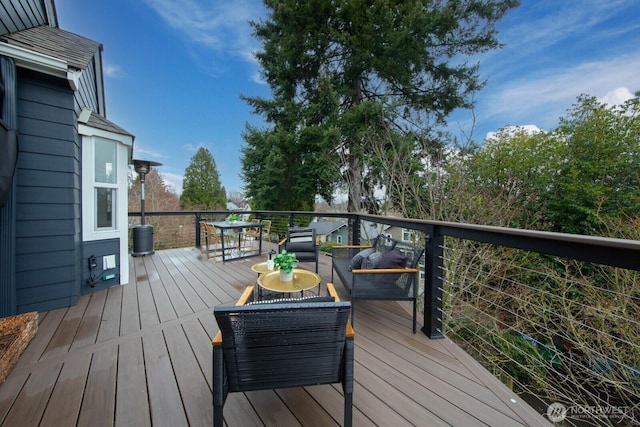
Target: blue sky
x=175, y=69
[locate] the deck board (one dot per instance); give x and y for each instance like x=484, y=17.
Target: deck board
x=132, y=400
x=112, y=315
x=33, y=397
x=194, y=388
x=66, y=398
x=91, y=321
x=164, y=396
x=98, y=403
x=63, y=337
x=140, y=354
x=46, y=330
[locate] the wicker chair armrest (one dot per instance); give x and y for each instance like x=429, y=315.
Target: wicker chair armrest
x=349, y=333
x=244, y=298
x=282, y=242
x=217, y=340
x=246, y=295
x=332, y=291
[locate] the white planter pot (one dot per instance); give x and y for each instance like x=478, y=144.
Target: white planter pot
x=286, y=277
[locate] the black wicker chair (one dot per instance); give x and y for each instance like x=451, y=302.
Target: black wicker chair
x=303, y=242
x=264, y=346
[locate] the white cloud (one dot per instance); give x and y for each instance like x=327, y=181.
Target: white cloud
x=544, y=97
x=112, y=71
x=617, y=96
x=173, y=181
x=512, y=130
x=140, y=152
x=215, y=25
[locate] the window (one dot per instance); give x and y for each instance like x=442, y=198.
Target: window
x=339, y=239
x=408, y=235
x=105, y=184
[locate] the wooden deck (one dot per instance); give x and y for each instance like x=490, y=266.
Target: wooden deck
x=140, y=355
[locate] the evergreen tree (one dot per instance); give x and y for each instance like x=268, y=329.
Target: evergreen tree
x=348, y=73
x=201, y=188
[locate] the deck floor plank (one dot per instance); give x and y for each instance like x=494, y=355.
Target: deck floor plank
x=333, y=403
x=238, y=411
x=64, y=407
x=45, y=333
x=130, y=310
x=141, y=354
x=164, y=395
x=132, y=401
x=91, y=321
x=173, y=291
x=271, y=409
x=98, y=404
x=200, y=342
x=29, y=406
x=146, y=304
x=196, y=279
x=191, y=297
x=9, y=392
x=194, y=388
x=306, y=409
x=112, y=314
x=165, y=309
x=65, y=334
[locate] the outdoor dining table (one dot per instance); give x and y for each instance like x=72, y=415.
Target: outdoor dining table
x=229, y=226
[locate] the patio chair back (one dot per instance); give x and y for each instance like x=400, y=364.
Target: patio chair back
x=302, y=242
x=269, y=346
x=292, y=343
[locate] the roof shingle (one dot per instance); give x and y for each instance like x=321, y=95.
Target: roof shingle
x=76, y=50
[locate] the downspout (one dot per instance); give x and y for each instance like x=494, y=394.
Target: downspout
x=8, y=161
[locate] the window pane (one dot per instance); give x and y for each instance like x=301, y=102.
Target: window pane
x=104, y=207
x=105, y=161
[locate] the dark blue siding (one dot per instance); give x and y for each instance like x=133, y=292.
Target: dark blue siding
x=86, y=96
x=99, y=248
x=48, y=223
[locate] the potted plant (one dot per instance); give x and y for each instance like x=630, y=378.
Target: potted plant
x=233, y=217
x=285, y=262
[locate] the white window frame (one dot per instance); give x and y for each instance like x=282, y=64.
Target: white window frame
x=408, y=235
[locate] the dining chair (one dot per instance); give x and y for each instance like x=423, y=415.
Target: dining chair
x=213, y=242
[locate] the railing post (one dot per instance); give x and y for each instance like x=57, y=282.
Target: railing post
x=434, y=260
x=356, y=230
x=198, y=243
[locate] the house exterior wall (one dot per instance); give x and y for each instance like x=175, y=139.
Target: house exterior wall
x=46, y=233
x=48, y=196
x=339, y=236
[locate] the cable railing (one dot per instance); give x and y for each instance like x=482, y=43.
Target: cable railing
x=559, y=332
x=556, y=317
